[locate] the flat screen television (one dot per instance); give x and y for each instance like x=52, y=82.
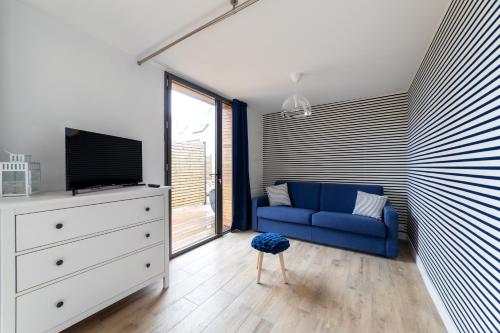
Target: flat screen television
x=98, y=160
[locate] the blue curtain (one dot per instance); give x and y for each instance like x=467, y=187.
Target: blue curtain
x=241, y=179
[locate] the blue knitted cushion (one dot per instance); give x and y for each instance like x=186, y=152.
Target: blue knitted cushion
x=270, y=243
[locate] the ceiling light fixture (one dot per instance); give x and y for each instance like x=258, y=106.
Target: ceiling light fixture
x=296, y=106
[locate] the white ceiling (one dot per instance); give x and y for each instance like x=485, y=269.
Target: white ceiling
x=347, y=48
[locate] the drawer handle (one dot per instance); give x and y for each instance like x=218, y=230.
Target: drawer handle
x=59, y=304
x=148, y=235
x=148, y=265
x=59, y=226
x=59, y=262
x=147, y=209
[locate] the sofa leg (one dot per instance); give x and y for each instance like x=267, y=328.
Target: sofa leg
x=282, y=264
x=260, y=259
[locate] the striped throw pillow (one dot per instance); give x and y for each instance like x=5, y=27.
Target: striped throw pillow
x=370, y=205
x=278, y=195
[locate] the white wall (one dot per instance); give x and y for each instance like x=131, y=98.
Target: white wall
x=53, y=76
x=255, y=132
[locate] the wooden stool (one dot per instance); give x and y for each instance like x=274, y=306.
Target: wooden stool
x=270, y=243
x=260, y=259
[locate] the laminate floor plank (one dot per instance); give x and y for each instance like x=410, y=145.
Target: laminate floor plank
x=213, y=289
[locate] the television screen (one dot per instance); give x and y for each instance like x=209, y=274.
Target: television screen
x=94, y=160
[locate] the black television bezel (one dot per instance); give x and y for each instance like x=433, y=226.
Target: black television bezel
x=97, y=186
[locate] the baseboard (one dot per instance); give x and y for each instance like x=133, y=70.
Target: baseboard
x=443, y=312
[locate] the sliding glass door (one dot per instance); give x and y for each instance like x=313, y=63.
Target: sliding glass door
x=198, y=136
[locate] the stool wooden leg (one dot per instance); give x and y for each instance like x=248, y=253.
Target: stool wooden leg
x=282, y=264
x=259, y=266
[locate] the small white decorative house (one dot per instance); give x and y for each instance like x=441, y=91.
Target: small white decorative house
x=20, y=176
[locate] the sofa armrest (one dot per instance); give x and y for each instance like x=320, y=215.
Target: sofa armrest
x=391, y=222
x=257, y=202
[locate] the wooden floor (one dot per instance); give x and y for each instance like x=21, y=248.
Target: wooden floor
x=213, y=289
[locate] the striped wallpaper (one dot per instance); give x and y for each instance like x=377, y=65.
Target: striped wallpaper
x=359, y=141
x=454, y=164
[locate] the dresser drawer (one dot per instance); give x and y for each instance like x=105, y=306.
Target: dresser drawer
x=51, y=306
x=41, y=266
x=38, y=229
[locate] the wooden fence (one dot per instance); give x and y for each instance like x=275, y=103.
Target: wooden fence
x=190, y=173
x=191, y=181
x=227, y=166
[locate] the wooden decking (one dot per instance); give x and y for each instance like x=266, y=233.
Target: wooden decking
x=191, y=224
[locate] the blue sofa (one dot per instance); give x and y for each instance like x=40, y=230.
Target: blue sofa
x=322, y=213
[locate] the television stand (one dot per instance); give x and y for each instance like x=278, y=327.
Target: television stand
x=108, y=245
x=103, y=188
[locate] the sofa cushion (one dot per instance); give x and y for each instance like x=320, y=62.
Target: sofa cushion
x=278, y=195
x=350, y=223
x=304, y=195
x=342, y=197
x=286, y=214
x=370, y=205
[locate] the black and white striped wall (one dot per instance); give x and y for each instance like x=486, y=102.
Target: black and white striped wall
x=360, y=141
x=454, y=165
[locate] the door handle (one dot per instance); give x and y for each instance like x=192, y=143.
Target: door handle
x=219, y=178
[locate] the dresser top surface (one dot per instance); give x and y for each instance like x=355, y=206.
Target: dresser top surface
x=64, y=199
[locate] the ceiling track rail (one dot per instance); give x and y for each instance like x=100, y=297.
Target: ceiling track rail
x=236, y=8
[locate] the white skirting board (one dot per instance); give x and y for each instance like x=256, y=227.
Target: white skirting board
x=443, y=312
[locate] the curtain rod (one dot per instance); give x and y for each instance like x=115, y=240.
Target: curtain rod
x=236, y=8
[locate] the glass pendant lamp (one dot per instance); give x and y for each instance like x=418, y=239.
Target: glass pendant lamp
x=296, y=106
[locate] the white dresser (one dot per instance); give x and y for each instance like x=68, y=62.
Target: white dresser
x=63, y=258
